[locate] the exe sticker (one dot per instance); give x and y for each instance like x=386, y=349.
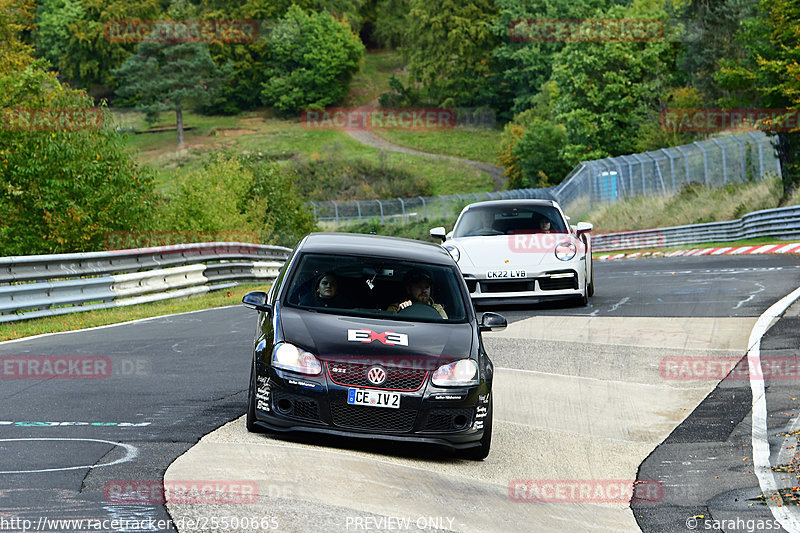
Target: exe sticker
x=387, y=337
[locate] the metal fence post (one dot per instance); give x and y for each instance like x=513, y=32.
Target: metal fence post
x=741, y=155
x=444, y=207
x=671, y=170
x=424, y=208
x=315, y=210
x=402, y=207
x=760, y=154
x=686, y=160
x=381, y=206
x=705, y=161
x=724, y=163
x=336, y=211
x=358, y=206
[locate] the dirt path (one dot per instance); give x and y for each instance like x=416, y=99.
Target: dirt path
x=370, y=139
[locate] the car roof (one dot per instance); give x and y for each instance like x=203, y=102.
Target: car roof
x=375, y=246
x=512, y=202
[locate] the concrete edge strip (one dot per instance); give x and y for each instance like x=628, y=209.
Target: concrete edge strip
x=793, y=248
x=760, y=441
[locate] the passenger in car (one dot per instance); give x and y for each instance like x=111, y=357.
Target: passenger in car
x=418, y=288
x=326, y=293
x=544, y=225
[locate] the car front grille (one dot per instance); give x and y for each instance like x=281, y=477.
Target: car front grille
x=507, y=286
x=449, y=419
x=558, y=284
x=295, y=406
x=355, y=375
x=373, y=418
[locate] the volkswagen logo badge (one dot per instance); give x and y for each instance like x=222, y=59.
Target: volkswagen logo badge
x=376, y=375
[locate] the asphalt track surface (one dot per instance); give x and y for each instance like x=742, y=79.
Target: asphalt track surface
x=157, y=386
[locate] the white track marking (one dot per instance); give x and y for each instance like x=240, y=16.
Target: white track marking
x=21, y=339
x=760, y=438
x=619, y=303
x=131, y=453
x=753, y=295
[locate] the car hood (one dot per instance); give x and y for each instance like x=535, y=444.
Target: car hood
x=337, y=338
x=508, y=251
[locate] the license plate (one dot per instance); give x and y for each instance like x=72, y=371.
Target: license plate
x=373, y=398
x=508, y=274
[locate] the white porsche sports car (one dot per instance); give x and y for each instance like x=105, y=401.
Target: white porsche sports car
x=521, y=251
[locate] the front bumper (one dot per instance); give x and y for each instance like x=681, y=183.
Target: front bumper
x=451, y=417
x=537, y=287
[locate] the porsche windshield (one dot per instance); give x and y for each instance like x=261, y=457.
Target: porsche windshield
x=379, y=287
x=483, y=221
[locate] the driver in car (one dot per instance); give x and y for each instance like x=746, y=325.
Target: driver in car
x=418, y=289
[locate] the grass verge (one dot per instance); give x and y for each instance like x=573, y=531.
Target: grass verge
x=103, y=317
x=477, y=144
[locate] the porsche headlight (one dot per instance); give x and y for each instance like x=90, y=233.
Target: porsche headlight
x=455, y=253
x=458, y=374
x=565, y=251
x=290, y=357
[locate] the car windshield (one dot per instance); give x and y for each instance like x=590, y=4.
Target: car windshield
x=482, y=221
x=376, y=287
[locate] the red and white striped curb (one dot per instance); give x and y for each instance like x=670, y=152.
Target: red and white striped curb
x=793, y=248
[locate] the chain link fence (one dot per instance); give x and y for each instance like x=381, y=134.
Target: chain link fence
x=714, y=162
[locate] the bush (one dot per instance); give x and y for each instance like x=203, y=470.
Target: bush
x=313, y=58
x=63, y=189
x=332, y=178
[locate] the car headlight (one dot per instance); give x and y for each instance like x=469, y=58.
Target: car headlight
x=454, y=251
x=458, y=374
x=565, y=251
x=290, y=357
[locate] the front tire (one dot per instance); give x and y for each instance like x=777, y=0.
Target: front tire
x=479, y=453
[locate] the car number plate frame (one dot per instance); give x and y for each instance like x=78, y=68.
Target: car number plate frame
x=506, y=274
x=373, y=398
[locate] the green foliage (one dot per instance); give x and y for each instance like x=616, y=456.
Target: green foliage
x=449, y=47
x=769, y=75
x=312, y=59
x=331, y=177
x=63, y=185
x=608, y=90
x=390, y=22
x=53, y=18
x=522, y=67
x=230, y=193
x=280, y=215
x=89, y=56
x=212, y=198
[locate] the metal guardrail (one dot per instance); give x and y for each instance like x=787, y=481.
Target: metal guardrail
x=783, y=223
x=35, y=286
x=714, y=162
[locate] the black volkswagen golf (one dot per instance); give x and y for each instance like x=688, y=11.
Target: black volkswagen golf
x=370, y=336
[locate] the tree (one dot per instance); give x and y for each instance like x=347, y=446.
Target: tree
x=769, y=75
x=53, y=18
x=170, y=76
x=312, y=59
x=608, y=90
x=90, y=56
x=448, y=48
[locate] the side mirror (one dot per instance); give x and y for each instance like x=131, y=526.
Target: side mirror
x=438, y=233
x=493, y=322
x=583, y=227
x=257, y=300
